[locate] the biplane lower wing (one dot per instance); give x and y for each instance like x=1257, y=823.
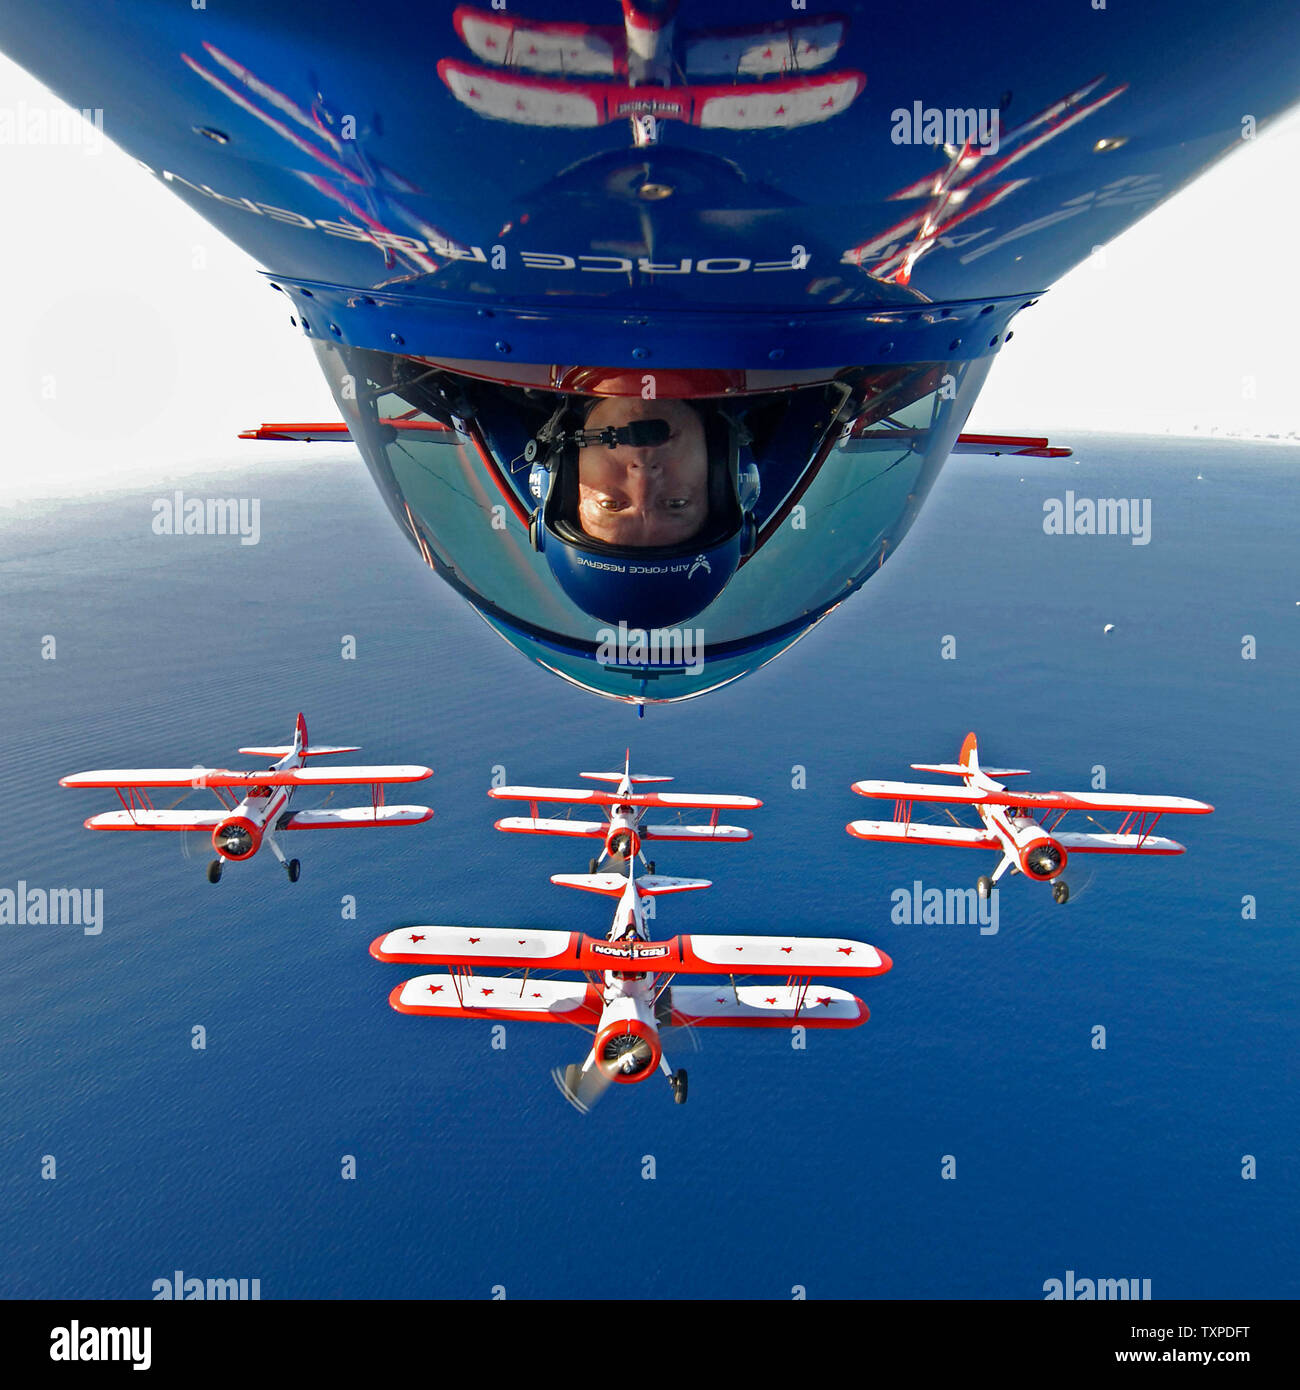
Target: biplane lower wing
x=695, y=832
x=495, y=996
x=919, y=833
x=1056, y=801
x=763, y=1006
x=1085, y=842
x=157, y=820
x=354, y=817
x=542, y=825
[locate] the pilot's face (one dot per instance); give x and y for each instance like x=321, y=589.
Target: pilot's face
x=644, y=497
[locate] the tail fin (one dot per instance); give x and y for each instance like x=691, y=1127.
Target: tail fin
x=300, y=735
x=969, y=756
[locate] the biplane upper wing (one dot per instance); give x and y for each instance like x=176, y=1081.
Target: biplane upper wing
x=521, y=948
x=1060, y=801
x=918, y=833
x=224, y=777
x=540, y=825
x=157, y=820
x=494, y=996
x=799, y=956
x=589, y=796
x=763, y=1006
x=354, y=817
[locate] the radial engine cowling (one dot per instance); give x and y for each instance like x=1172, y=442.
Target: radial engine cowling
x=627, y=1049
x=237, y=837
x=1041, y=857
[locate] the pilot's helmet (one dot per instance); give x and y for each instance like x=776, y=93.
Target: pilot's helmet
x=655, y=572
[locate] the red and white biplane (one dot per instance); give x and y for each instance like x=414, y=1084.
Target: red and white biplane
x=1020, y=826
x=625, y=808
x=240, y=828
x=627, y=993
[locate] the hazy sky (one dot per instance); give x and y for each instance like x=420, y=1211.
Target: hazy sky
x=138, y=341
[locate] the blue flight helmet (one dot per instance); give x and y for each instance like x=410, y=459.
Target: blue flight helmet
x=646, y=586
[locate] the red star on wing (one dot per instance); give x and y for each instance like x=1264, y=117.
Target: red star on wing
x=825, y=999
x=434, y=989
x=474, y=940
x=780, y=110
x=492, y=991
x=417, y=936
x=489, y=42
x=771, y=998
x=830, y=101
x=787, y=949
x=845, y=950
x=473, y=93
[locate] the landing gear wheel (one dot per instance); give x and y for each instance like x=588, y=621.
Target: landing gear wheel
x=984, y=885
x=214, y=871
x=294, y=869
x=678, y=1082
x=593, y=865
x=572, y=1075
x=649, y=866
x=1061, y=892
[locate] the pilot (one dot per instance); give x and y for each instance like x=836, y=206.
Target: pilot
x=652, y=496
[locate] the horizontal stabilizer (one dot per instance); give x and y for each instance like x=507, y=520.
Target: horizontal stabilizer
x=157, y=820
x=918, y=833
x=539, y=825
x=612, y=885
x=764, y=1006
x=354, y=817
x=223, y=777
x=282, y=750
x=961, y=770
x=488, y=996
x=617, y=777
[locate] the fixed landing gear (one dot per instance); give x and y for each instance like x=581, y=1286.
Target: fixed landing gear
x=294, y=869
x=678, y=1082
x=650, y=868
x=1060, y=891
x=984, y=885
x=593, y=866
x=214, y=871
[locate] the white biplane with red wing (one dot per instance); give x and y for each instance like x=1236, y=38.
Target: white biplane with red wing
x=242, y=827
x=628, y=990
x=1020, y=826
x=625, y=807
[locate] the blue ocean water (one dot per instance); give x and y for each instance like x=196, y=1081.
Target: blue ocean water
x=818, y=1168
